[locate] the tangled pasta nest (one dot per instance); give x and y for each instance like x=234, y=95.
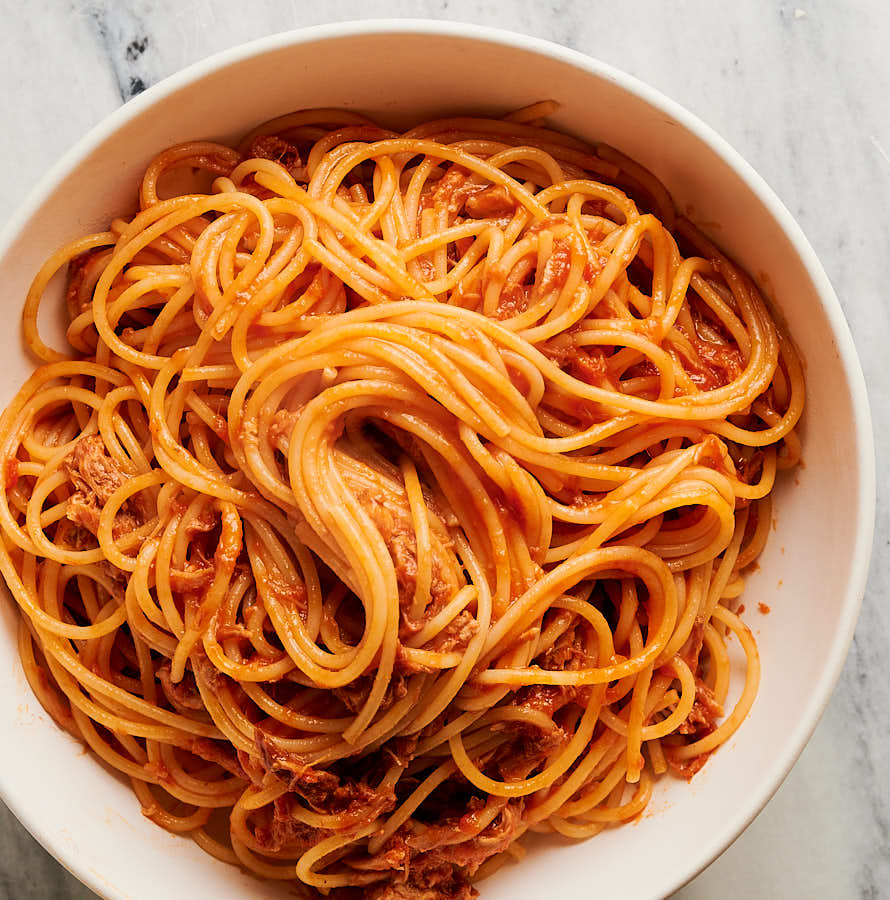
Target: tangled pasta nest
x=393, y=497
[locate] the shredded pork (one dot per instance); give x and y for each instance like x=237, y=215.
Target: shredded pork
x=95, y=477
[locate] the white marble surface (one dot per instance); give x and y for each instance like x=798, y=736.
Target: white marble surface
x=802, y=91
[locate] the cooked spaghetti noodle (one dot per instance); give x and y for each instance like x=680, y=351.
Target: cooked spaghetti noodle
x=393, y=496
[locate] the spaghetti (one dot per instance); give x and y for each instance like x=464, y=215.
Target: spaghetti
x=393, y=496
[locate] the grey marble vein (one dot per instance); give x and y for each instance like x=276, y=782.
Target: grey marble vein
x=801, y=89
x=122, y=36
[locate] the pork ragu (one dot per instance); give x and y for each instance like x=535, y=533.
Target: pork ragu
x=395, y=495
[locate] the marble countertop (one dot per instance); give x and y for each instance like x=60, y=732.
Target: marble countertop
x=800, y=91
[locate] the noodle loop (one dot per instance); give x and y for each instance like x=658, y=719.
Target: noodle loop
x=394, y=495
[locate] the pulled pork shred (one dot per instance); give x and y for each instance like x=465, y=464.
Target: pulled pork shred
x=95, y=477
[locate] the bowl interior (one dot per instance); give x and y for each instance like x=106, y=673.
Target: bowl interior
x=811, y=574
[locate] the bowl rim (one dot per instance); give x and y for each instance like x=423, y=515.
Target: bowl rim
x=734, y=824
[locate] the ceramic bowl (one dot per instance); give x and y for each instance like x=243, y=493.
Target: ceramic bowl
x=812, y=573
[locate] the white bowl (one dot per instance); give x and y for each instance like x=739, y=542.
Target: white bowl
x=812, y=573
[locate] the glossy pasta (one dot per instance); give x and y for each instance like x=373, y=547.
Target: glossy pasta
x=393, y=497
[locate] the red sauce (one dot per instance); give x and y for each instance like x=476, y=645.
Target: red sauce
x=10, y=472
x=557, y=267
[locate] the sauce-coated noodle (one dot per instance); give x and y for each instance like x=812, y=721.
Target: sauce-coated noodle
x=392, y=496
